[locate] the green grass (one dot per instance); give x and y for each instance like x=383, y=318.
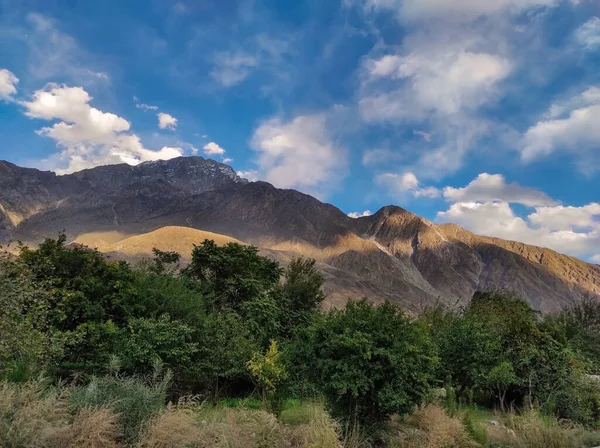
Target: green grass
x=298, y=412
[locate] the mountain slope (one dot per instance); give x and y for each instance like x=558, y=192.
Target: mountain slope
x=392, y=254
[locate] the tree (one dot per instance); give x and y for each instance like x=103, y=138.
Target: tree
x=301, y=294
x=225, y=345
x=267, y=370
x=26, y=343
x=500, y=379
x=232, y=274
x=83, y=285
x=467, y=352
x=369, y=361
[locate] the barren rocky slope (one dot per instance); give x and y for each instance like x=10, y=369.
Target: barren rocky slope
x=392, y=254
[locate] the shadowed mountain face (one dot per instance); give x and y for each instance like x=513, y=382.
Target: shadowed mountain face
x=392, y=255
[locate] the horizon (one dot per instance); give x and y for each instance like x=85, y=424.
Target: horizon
x=483, y=115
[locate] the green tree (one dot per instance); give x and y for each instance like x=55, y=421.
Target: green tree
x=232, y=275
x=84, y=287
x=500, y=379
x=225, y=345
x=369, y=361
x=164, y=341
x=301, y=294
x=26, y=342
x=267, y=371
x=467, y=352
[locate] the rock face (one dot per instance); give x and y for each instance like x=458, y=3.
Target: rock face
x=393, y=254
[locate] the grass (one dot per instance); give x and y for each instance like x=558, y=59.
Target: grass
x=112, y=412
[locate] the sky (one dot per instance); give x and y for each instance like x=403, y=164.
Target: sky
x=481, y=113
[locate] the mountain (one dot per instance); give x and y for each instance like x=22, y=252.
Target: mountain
x=393, y=254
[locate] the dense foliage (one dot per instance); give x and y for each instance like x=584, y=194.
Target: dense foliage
x=234, y=323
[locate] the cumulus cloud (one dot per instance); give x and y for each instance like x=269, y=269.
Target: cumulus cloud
x=88, y=137
x=400, y=184
x=166, y=121
x=300, y=153
x=572, y=126
x=566, y=217
x=588, y=34
x=551, y=227
x=493, y=187
x=360, y=215
x=8, y=84
x=212, y=149
x=231, y=68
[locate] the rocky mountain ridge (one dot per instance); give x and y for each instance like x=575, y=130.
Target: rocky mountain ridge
x=392, y=254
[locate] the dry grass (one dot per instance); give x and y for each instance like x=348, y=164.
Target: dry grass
x=91, y=428
x=173, y=429
x=430, y=427
x=206, y=427
x=533, y=431
x=29, y=414
x=321, y=431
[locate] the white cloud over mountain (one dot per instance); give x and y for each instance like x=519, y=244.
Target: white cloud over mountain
x=87, y=136
x=300, y=153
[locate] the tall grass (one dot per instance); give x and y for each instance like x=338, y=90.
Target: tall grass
x=135, y=401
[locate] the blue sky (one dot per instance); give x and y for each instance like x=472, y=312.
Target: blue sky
x=486, y=114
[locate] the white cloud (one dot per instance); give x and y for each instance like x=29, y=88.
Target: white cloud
x=300, y=153
x=444, y=82
x=596, y=259
x=566, y=217
x=212, y=149
x=426, y=135
x=547, y=227
x=52, y=53
x=232, y=68
x=588, y=34
x=360, y=215
x=251, y=175
x=372, y=157
x=143, y=106
x=8, y=84
x=459, y=10
x=493, y=187
x=400, y=184
x=227, y=160
x=572, y=126
x=166, y=121
x=88, y=137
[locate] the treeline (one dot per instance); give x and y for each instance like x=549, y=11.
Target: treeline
x=233, y=323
